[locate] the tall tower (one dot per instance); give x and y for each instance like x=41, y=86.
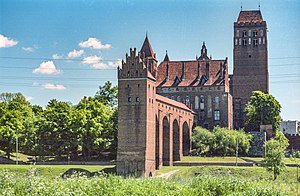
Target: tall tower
x=250, y=58
x=137, y=104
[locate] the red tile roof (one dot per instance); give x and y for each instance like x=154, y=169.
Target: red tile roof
x=171, y=102
x=147, y=49
x=191, y=76
x=250, y=16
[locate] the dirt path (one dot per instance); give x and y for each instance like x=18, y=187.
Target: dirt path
x=167, y=175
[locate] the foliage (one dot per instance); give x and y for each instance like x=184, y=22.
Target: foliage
x=108, y=94
x=262, y=109
x=33, y=184
x=275, y=153
x=221, y=141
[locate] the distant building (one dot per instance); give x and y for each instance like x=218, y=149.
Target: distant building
x=290, y=127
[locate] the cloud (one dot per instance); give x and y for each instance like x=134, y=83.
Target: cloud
x=57, y=56
x=7, y=42
x=28, y=98
x=28, y=49
x=46, y=67
x=91, y=59
x=53, y=86
x=75, y=53
x=107, y=65
x=94, y=43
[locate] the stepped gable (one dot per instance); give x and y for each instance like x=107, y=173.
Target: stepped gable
x=191, y=75
x=250, y=16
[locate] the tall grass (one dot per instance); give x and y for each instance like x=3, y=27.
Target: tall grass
x=33, y=184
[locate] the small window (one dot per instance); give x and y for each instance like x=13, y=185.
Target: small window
x=249, y=41
x=237, y=33
x=244, y=33
x=178, y=98
x=137, y=99
x=244, y=42
x=249, y=33
x=129, y=99
x=138, y=85
x=240, y=41
x=201, y=102
x=217, y=102
x=254, y=33
x=217, y=115
x=196, y=102
x=261, y=32
x=236, y=42
x=187, y=100
x=255, y=43
x=128, y=73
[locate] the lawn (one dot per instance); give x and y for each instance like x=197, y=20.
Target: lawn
x=211, y=159
x=49, y=171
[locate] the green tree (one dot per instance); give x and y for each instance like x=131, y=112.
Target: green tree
x=201, y=140
x=16, y=119
x=262, y=109
x=108, y=94
x=275, y=154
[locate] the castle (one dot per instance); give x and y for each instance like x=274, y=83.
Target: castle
x=160, y=104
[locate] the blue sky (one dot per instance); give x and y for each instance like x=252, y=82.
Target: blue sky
x=65, y=49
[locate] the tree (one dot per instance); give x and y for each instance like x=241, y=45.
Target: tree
x=275, y=153
x=16, y=118
x=108, y=94
x=201, y=140
x=262, y=109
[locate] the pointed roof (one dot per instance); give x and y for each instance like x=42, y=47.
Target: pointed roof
x=147, y=49
x=166, y=59
x=250, y=16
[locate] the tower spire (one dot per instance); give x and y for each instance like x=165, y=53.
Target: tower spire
x=166, y=59
x=241, y=6
x=259, y=5
x=147, y=49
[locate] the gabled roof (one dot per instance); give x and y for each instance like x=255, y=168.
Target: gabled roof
x=147, y=49
x=250, y=16
x=193, y=76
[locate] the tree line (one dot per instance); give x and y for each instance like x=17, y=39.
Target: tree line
x=61, y=129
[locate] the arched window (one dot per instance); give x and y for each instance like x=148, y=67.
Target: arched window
x=217, y=102
x=209, y=109
x=201, y=102
x=196, y=102
x=178, y=99
x=187, y=100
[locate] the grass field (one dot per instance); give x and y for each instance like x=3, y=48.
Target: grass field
x=49, y=171
x=211, y=159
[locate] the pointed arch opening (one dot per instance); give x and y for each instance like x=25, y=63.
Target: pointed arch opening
x=166, y=141
x=157, y=139
x=176, y=141
x=186, y=140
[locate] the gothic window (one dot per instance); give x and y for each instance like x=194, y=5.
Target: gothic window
x=129, y=99
x=255, y=43
x=244, y=33
x=178, y=99
x=254, y=33
x=187, y=100
x=249, y=33
x=240, y=41
x=128, y=73
x=201, y=102
x=217, y=115
x=264, y=40
x=237, y=33
x=259, y=41
x=261, y=32
x=137, y=99
x=244, y=42
x=209, y=108
x=196, y=102
x=249, y=41
x=236, y=41
x=217, y=103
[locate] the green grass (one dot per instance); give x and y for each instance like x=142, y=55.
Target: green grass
x=49, y=171
x=211, y=159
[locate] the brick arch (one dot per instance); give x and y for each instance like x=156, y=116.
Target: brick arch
x=176, y=141
x=157, y=142
x=166, y=141
x=186, y=144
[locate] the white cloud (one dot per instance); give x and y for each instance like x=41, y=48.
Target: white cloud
x=91, y=59
x=75, y=53
x=107, y=65
x=94, y=43
x=6, y=42
x=57, y=56
x=53, y=86
x=28, y=98
x=28, y=49
x=46, y=67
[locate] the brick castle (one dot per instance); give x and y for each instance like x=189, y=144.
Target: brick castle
x=160, y=104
